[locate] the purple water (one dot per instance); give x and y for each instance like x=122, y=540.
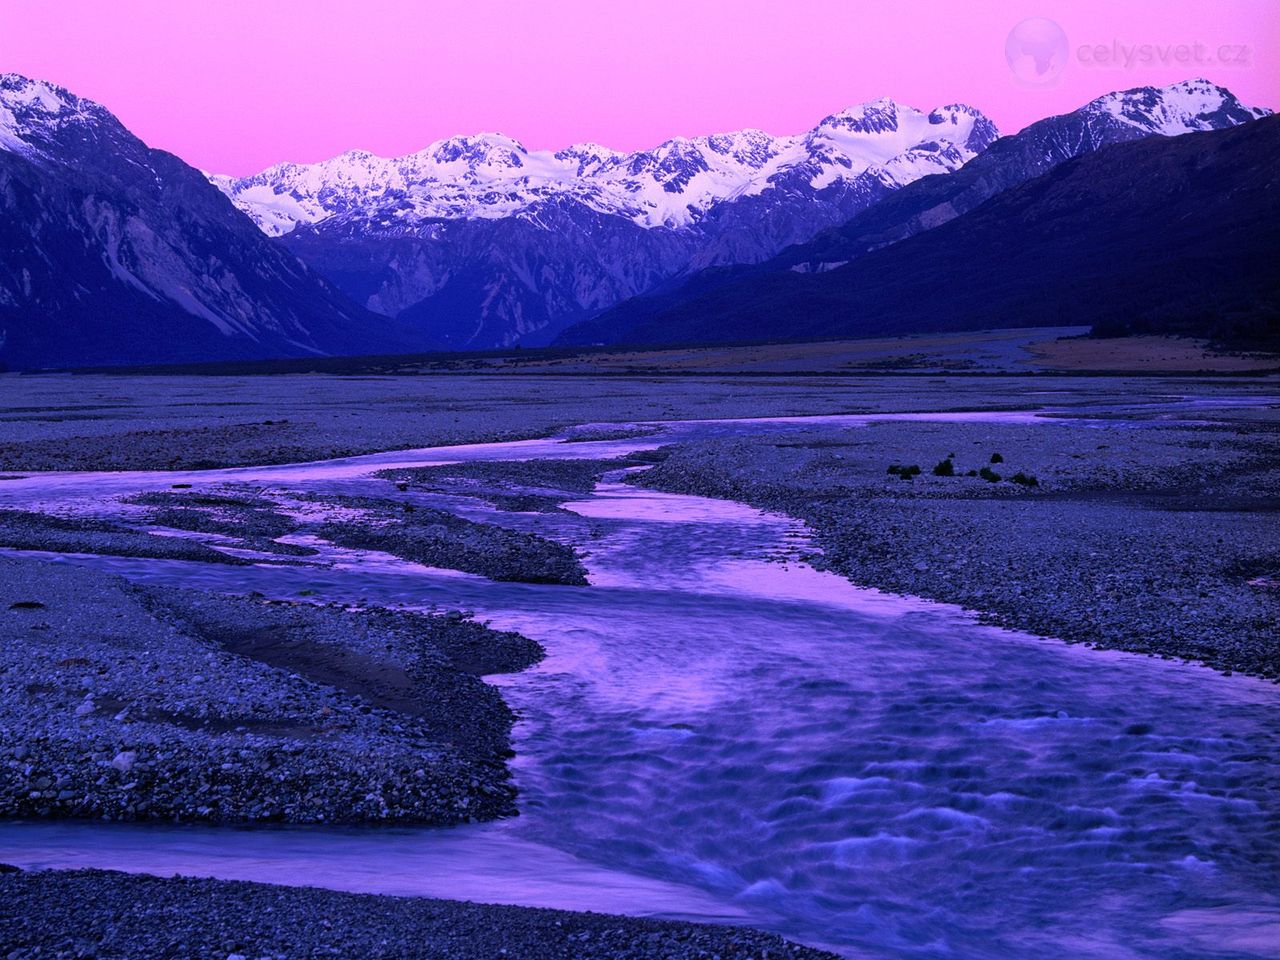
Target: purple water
x=720, y=731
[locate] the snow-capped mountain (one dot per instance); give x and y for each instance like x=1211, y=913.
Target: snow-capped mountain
x=484, y=242
x=1186, y=107
x=928, y=202
x=672, y=185
x=1155, y=235
x=111, y=252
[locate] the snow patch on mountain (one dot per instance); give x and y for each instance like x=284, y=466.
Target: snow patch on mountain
x=1184, y=107
x=32, y=112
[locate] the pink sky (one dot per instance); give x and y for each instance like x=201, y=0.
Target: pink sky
x=235, y=85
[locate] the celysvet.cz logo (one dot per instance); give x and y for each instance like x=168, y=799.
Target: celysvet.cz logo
x=1038, y=52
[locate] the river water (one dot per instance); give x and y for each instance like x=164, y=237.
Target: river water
x=721, y=732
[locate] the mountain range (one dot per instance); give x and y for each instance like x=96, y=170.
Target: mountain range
x=1158, y=235
x=112, y=252
x=1121, y=117
x=480, y=242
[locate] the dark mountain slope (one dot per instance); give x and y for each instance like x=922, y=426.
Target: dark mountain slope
x=1176, y=234
x=1119, y=117
x=111, y=252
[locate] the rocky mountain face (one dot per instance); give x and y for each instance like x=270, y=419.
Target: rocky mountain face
x=1157, y=235
x=478, y=241
x=111, y=252
x=928, y=202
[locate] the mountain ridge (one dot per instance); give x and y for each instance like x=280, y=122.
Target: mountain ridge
x=116, y=252
x=1103, y=239
x=1116, y=117
x=406, y=236
x=491, y=175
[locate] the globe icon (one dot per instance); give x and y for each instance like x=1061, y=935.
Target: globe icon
x=1036, y=50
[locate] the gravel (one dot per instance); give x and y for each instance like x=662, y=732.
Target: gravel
x=437, y=538
x=251, y=522
x=517, y=485
x=205, y=422
x=92, y=913
x=124, y=703
x=1159, y=539
x=25, y=530
x=93, y=422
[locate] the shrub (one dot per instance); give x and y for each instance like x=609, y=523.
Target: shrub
x=972, y=473
x=894, y=468
x=1024, y=479
x=944, y=468
x=989, y=475
x=996, y=458
x=908, y=472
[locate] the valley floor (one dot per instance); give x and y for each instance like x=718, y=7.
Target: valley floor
x=1137, y=514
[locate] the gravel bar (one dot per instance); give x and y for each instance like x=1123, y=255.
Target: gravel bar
x=120, y=702
x=118, y=916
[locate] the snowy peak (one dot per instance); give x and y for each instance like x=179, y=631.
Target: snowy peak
x=673, y=185
x=679, y=183
x=750, y=148
x=114, y=252
x=1191, y=105
x=582, y=158
x=960, y=118
x=897, y=142
x=484, y=156
x=877, y=116
x=35, y=114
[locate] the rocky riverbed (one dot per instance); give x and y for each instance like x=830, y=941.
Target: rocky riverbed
x=130, y=703
x=117, y=916
x=94, y=422
x=518, y=485
x=248, y=518
x=437, y=538
x=1157, y=539
x=31, y=530
x=125, y=702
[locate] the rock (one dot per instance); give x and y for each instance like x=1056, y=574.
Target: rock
x=124, y=760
